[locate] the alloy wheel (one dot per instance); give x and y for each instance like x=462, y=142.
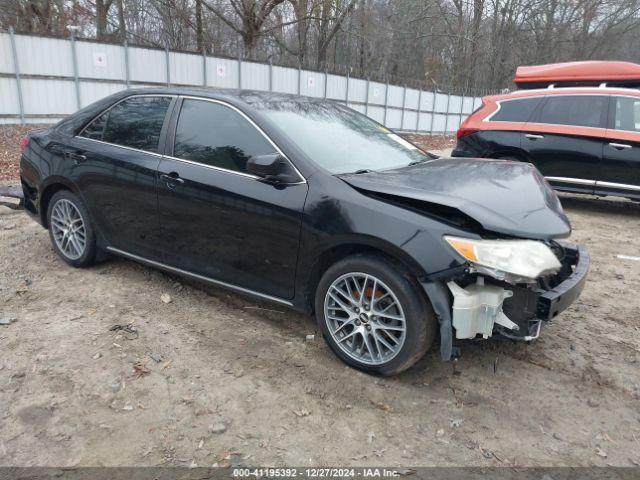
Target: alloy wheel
x=68, y=229
x=365, y=318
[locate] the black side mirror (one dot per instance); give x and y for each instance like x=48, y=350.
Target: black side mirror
x=272, y=168
x=265, y=166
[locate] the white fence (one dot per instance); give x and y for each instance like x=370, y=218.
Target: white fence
x=43, y=79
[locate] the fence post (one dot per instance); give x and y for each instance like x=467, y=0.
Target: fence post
x=346, y=93
x=16, y=69
x=204, y=67
x=419, y=106
x=168, y=64
x=462, y=106
x=446, y=117
x=404, y=102
x=433, y=111
x=239, y=68
x=366, y=100
x=127, y=74
x=326, y=78
x=74, y=61
x=386, y=102
x=270, y=75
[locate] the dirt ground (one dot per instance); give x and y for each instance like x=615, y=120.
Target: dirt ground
x=214, y=378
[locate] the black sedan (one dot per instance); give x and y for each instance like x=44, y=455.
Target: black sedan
x=312, y=205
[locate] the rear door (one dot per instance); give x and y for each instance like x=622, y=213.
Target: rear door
x=216, y=219
x=114, y=161
x=620, y=170
x=504, y=137
x=565, y=139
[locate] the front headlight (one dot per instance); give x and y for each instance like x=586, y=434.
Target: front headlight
x=526, y=259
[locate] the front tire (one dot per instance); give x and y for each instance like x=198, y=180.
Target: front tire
x=70, y=229
x=373, y=314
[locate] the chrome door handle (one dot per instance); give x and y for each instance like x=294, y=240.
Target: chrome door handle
x=76, y=157
x=620, y=146
x=531, y=136
x=171, y=179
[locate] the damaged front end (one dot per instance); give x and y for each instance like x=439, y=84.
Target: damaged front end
x=481, y=302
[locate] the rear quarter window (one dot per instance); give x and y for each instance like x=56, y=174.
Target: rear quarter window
x=135, y=123
x=517, y=110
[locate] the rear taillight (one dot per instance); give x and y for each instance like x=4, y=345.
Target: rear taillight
x=24, y=143
x=465, y=131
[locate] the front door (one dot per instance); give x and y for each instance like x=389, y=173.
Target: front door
x=217, y=220
x=114, y=162
x=620, y=170
x=565, y=139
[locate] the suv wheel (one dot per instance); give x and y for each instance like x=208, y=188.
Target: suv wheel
x=70, y=229
x=373, y=315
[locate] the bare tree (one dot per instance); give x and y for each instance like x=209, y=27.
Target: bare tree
x=245, y=17
x=437, y=44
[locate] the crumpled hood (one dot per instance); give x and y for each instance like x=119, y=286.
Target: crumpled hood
x=506, y=197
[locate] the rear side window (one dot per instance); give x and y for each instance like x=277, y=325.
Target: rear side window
x=627, y=114
x=516, y=110
x=216, y=135
x=135, y=123
x=577, y=110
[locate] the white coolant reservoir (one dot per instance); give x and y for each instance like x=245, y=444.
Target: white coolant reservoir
x=477, y=308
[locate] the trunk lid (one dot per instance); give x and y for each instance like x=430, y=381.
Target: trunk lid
x=506, y=197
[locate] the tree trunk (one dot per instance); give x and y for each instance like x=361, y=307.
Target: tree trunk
x=199, y=32
x=102, y=10
x=122, y=27
x=363, y=36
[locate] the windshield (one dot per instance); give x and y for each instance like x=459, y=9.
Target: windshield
x=339, y=139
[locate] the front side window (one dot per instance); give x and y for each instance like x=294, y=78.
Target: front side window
x=627, y=114
x=516, y=110
x=135, y=123
x=576, y=110
x=216, y=135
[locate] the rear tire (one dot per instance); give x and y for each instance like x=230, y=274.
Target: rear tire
x=70, y=229
x=386, y=330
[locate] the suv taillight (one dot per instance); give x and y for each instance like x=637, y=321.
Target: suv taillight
x=465, y=131
x=24, y=143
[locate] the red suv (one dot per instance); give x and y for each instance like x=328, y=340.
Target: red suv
x=583, y=137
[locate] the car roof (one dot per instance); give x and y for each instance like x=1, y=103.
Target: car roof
x=565, y=91
x=231, y=95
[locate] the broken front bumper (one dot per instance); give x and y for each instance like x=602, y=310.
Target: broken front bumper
x=514, y=311
x=483, y=306
x=552, y=302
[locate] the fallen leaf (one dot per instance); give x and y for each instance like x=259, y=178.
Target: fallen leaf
x=140, y=370
x=382, y=406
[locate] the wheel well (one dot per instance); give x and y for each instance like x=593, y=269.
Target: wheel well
x=45, y=198
x=335, y=254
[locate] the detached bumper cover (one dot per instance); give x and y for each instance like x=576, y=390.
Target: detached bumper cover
x=528, y=308
x=552, y=302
